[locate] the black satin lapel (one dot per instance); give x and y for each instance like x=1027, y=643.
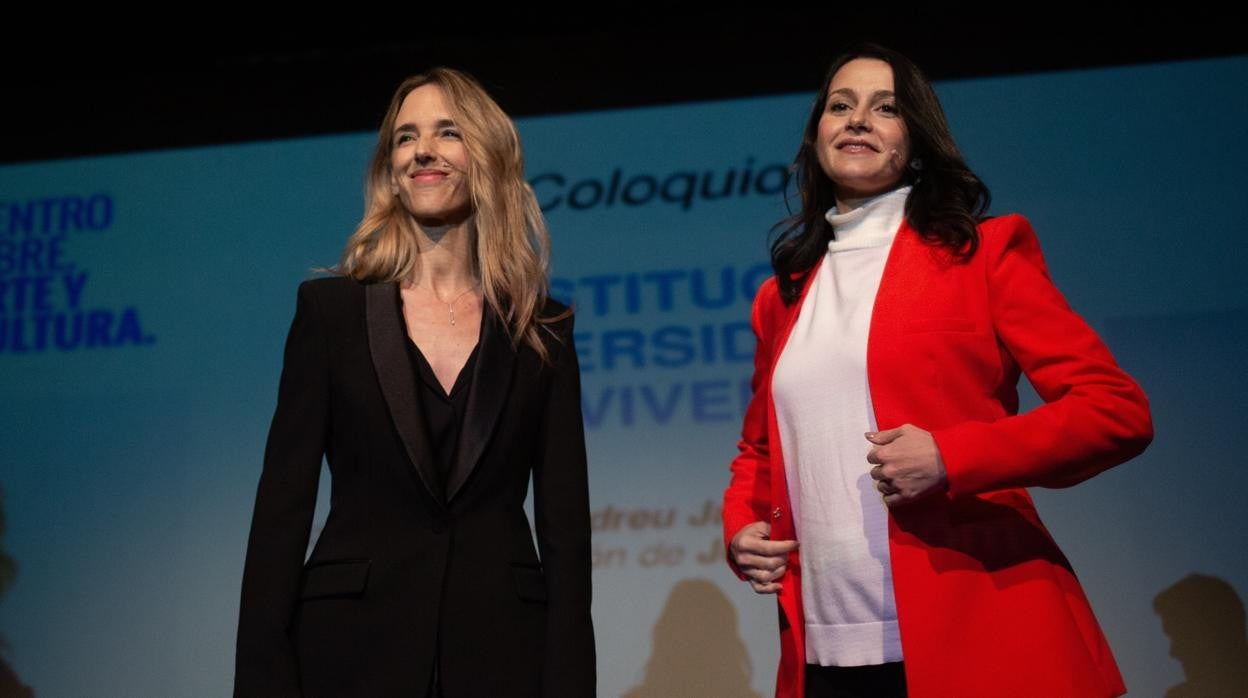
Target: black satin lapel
x=387, y=342
x=486, y=397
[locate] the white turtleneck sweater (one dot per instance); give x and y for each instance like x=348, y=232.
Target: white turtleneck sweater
x=823, y=407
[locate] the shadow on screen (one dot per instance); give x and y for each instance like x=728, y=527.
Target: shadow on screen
x=10, y=685
x=1204, y=618
x=696, y=647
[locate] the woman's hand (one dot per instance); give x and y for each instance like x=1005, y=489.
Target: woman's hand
x=908, y=465
x=761, y=559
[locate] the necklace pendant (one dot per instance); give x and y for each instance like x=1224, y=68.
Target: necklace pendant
x=451, y=310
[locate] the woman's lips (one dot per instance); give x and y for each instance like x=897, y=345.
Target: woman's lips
x=427, y=176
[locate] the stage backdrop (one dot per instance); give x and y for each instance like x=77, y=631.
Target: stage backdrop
x=144, y=300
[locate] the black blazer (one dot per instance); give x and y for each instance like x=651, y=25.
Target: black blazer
x=404, y=570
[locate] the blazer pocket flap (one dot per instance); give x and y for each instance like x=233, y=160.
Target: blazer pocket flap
x=336, y=579
x=530, y=582
x=939, y=324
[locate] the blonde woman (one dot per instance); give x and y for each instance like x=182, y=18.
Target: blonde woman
x=436, y=377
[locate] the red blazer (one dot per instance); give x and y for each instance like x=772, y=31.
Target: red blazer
x=986, y=602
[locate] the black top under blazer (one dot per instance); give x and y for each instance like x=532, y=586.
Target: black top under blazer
x=405, y=570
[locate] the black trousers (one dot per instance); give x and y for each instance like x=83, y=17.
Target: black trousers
x=871, y=681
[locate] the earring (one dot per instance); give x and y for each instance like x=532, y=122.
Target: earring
x=916, y=164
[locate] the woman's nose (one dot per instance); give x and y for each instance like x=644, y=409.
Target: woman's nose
x=858, y=121
x=423, y=150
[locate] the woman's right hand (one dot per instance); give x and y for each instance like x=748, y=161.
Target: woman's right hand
x=761, y=559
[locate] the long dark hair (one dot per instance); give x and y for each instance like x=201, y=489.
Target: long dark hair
x=945, y=204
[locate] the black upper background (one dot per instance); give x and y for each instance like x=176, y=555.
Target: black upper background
x=99, y=84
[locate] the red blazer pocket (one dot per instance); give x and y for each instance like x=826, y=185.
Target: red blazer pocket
x=939, y=324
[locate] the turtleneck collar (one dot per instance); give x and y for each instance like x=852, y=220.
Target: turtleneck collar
x=871, y=222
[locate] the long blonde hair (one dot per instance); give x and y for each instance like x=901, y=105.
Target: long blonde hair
x=511, y=251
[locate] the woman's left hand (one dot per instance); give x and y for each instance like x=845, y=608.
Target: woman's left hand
x=907, y=464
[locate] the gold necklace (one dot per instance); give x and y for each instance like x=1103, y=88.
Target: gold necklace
x=450, y=307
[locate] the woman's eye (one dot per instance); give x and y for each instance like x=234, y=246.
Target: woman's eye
x=838, y=107
x=889, y=108
x=403, y=138
x=451, y=133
